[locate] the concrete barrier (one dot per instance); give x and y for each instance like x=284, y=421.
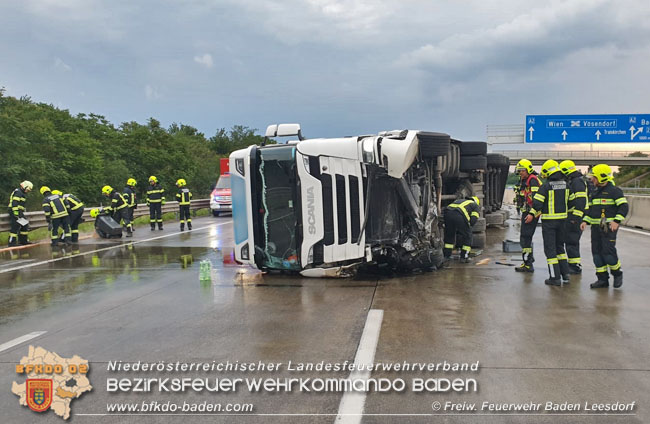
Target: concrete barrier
x=639, y=215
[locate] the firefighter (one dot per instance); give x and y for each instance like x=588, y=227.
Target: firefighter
x=75, y=208
x=56, y=216
x=184, y=196
x=155, y=200
x=551, y=202
x=529, y=185
x=118, y=208
x=460, y=217
x=18, y=232
x=129, y=196
x=607, y=209
x=578, y=203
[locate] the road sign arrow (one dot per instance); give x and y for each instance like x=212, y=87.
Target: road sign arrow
x=530, y=131
x=564, y=134
x=634, y=132
x=598, y=133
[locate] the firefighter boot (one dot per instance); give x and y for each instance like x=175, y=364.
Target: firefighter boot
x=464, y=256
x=22, y=240
x=13, y=240
x=527, y=265
x=564, y=270
x=618, y=279
x=189, y=225
x=575, y=269
x=182, y=226
x=160, y=225
x=554, y=275
x=153, y=226
x=602, y=282
x=129, y=231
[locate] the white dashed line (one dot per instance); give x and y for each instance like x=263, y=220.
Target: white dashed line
x=21, y=339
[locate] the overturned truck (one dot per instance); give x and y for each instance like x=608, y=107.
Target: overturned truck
x=328, y=207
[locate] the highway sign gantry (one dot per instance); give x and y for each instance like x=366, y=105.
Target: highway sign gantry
x=588, y=128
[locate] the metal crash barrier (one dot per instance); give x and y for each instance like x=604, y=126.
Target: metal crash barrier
x=37, y=219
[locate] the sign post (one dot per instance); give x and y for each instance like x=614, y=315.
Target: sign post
x=588, y=128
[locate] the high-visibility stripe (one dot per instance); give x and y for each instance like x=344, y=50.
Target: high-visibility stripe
x=601, y=269
x=578, y=213
x=154, y=200
x=552, y=261
x=579, y=194
x=615, y=267
x=590, y=220
x=602, y=202
x=534, y=189
x=619, y=217
x=539, y=197
x=620, y=201
x=449, y=246
x=466, y=248
x=562, y=256
x=574, y=260
x=527, y=250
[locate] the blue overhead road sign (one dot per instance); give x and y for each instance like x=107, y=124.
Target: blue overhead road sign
x=588, y=128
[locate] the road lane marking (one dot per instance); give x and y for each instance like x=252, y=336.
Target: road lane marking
x=352, y=403
x=643, y=233
x=109, y=248
x=21, y=339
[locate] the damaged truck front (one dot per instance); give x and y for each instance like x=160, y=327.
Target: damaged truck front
x=325, y=207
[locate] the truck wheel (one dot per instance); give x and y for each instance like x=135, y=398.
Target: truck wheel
x=478, y=240
x=497, y=160
x=215, y=213
x=473, y=148
x=471, y=163
x=433, y=144
x=479, y=226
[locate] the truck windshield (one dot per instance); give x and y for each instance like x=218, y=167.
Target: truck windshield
x=278, y=214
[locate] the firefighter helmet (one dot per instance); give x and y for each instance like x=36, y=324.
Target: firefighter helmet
x=549, y=168
x=181, y=182
x=602, y=172
x=153, y=179
x=567, y=167
x=45, y=189
x=27, y=185
x=57, y=192
x=107, y=190
x=475, y=199
x=525, y=165
x=131, y=182
x=94, y=213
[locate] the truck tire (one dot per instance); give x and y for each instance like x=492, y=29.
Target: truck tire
x=478, y=240
x=471, y=163
x=479, y=226
x=433, y=144
x=497, y=160
x=473, y=148
x=215, y=213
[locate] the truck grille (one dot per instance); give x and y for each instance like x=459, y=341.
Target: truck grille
x=341, y=209
x=328, y=212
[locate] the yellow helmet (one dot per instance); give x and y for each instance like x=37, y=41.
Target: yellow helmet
x=602, y=173
x=549, y=168
x=27, y=185
x=567, y=167
x=45, y=189
x=153, y=178
x=475, y=199
x=106, y=190
x=94, y=213
x=58, y=192
x=181, y=182
x=526, y=165
x=131, y=182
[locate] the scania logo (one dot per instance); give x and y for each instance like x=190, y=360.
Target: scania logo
x=311, y=212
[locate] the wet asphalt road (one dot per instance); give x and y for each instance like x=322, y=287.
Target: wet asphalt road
x=138, y=300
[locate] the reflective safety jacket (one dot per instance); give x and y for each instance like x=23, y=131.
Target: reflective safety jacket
x=184, y=196
x=17, y=202
x=117, y=202
x=552, y=198
x=155, y=193
x=468, y=208
x=578, y=200
x=528, y=188
x=72, y=202
x=53, y=207
x=606, y=202
x=129, y=196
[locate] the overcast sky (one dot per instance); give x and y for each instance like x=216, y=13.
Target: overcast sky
x=338, y=67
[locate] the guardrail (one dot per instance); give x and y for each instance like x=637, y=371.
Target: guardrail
x=37, y=219
x=636, y=190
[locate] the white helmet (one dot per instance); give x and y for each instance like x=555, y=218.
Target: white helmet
x=27, y=185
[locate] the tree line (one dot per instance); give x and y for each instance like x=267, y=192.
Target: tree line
x=81, y=153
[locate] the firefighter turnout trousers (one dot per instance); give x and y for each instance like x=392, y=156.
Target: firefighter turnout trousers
x=75, y=220
x=184, y=213
x=556, y=257
x=526, y=234
x=63, y=222
x=155, y=215
x=572, y=234
x=17, y=233
x=456, y=224
x=603, y=249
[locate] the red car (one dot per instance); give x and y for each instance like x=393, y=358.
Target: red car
x=221, y=197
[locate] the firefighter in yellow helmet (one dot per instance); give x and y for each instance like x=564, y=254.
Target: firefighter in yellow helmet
x=118, y=208
x=155, y=200
x=528, y=186
x=75, y=209
x=129, y=196
x=19, y=228
x=607, y=209
x=577, y=207
x=460, y=217
x=56, y=216
x=551, y=202
x=184, y=196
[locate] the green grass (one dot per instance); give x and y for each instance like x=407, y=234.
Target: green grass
x=88, y=227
